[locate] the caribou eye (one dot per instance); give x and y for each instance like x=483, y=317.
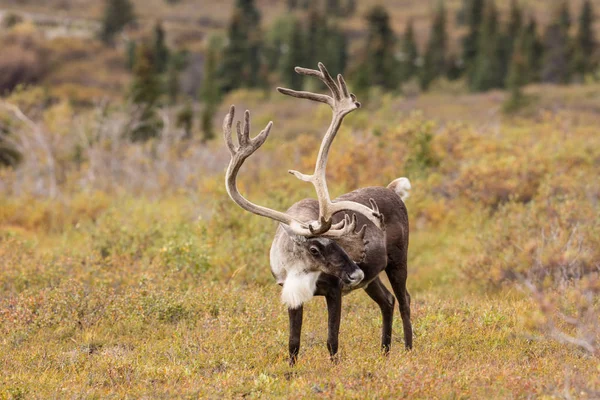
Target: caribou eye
x=314, y=250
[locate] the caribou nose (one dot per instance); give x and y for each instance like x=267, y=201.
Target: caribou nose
x=356, y=277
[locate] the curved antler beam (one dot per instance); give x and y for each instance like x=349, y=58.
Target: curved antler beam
x=342, y=103
x=247, y=146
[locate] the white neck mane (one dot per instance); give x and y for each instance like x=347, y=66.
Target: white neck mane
x=298, y=288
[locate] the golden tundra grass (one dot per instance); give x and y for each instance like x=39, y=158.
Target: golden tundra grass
x=126, y=294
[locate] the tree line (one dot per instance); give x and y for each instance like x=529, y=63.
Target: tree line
x=495, y=52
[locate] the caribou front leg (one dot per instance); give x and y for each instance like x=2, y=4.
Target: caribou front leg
x=295, y=315
x=334, y=310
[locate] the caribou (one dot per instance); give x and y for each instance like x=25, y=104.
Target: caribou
x=319, y=249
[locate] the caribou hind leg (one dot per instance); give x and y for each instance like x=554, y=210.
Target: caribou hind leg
x=379, y=293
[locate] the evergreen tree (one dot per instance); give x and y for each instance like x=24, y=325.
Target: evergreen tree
x=117, y=15
x=487, y=73
x=206, y=120
x=454, y=67
x=292, y=56
x=518, y=72
x=316, y=35
x=556, y=65
x=564, y=15
x=173, y=82
x=434, y=63
x=210, y=94
x=515, y=22
x=161, y=51
x=332, y=7
x=409, y=54
x=145, y=93
x=508, y=39
x=336, y=45
x=324, y=42
x=177, y=63
x=131, y=51
x=585, y=43
x=474, y=10
x=274, y=42
x=350, y=8
x=534, y=51
x=185, y=119
x=241, y=61
x=379, y=67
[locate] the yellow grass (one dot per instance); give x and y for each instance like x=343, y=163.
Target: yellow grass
x=119, y=290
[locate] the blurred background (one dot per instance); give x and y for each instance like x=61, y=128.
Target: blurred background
x=175, y=61
x=117, y=237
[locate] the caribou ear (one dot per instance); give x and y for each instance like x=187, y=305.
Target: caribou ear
x=295, y=238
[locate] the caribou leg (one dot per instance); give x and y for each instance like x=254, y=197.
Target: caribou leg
x=295, y=329
x=334, y=310
x=396, y=273
x=382, y=296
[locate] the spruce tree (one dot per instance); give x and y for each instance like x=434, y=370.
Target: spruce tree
x=487, y=72
x=564, y=15
x=534, y=51
x=350, y=8
x=242, y=56
x=117, y=15
x=145, y=93
x=274, y=42
x=292, y=56
x=206, y=121
x=325, y=42
x=209, y=93
x=434, y=63
x=185, y=119
x=519, y=72
x=336, y=45
x=177, y=62
x=173, y=84
x=474, y=11
x=510, y=36
x=515, y=21
x=379, y=65
x=316, y=32
x=131, y=51
x=333, y=7
x=161, y=51
x=409, y=54
x=556, y=64
x=585, y=42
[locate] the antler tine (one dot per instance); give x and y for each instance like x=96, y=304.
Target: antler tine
x=342, y=103
x=328, y=80
x=247, y=146
x=244, y=135
x=321, y=98
x=227, y=123
x=345, y=227
x=344, y=87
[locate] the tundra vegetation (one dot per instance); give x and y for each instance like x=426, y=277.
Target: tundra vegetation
x=125, y=269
